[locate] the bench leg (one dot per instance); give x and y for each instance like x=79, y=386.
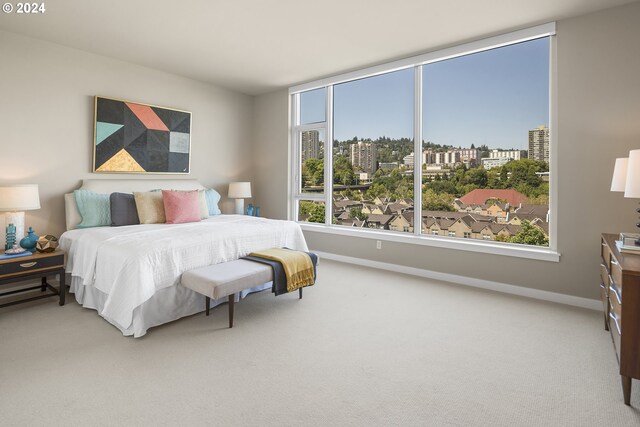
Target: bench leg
x=232, y=299
x=207, y=302
x=300, y=291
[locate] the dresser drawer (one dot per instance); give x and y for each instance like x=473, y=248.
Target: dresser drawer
x=615, y=302
x=616, y=273
x=31, y=264
x=605, y=252
x=604, y=277
x=616, y=330
x=605, y=299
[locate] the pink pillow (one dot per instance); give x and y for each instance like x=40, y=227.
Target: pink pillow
x=181, y=206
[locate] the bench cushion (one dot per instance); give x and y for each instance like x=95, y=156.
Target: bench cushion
x=220, y=280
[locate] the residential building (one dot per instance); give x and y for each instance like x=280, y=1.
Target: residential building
x=364, y=156
x=409, y=160
x=539, y=143
x=311, y=145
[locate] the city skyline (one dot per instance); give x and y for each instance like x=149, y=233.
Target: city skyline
x=491, y=98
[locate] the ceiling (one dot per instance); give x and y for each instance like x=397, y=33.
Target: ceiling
x=257, y=46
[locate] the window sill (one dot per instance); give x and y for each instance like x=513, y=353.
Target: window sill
x=471, y=245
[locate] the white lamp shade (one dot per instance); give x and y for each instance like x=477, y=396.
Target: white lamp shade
x=20, y=197
x=632, y=184
x=239, y=190
x=619, y=174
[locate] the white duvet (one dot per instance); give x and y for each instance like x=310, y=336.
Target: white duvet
x=130, y=264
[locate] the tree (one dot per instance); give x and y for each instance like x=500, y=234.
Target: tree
x=530, y=235
x=316, y=213
x=356, y=213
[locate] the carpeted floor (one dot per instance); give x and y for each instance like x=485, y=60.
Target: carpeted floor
x=363, y=348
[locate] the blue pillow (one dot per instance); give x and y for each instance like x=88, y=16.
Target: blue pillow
x=213, y=197
x=94, y=208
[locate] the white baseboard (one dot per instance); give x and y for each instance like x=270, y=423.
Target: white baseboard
x=591, y=304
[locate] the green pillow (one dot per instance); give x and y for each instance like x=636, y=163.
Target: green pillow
x=94, y=208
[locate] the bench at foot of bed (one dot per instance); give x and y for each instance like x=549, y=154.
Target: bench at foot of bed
x=227, y=279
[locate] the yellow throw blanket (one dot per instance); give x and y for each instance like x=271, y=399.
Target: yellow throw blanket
x=297, y=266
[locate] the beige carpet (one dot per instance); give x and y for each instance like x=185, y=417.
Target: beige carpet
x=363, y=348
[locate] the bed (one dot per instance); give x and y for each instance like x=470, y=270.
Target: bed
x=131, y=274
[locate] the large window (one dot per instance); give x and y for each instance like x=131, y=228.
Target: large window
x=451, y=145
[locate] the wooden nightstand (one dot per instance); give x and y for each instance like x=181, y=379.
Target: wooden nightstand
x=38, y=265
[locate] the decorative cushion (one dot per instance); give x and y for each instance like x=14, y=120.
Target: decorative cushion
x=150, y=207
x=213, y=197
x=204, y=209
x=181, y=206
x=93, y=207
x=123, y=209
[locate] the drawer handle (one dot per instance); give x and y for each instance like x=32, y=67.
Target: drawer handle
x=602, y=265
x=615, y=291
x=604, y=244
x=615, y=319
x=614, y=262
x=28, y=264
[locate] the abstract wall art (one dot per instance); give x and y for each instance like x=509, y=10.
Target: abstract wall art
x=130, y=137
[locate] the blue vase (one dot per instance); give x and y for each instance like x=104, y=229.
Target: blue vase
x=250, y=210
x=257, y=210
x=29, y=241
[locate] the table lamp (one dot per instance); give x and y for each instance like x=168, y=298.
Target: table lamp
x=14, y=200
x=239, y=191
x=632, y=181
x=619, y=174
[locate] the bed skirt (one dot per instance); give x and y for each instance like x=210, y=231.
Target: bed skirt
x=166, y=305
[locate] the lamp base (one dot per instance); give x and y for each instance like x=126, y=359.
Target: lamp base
x=240, y=206
x=17, y=219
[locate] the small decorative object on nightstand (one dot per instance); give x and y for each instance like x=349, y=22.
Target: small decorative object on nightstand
x=47, y=243
x=11, y=237
x=29, y=241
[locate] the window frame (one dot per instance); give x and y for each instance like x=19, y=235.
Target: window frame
x=548, y=253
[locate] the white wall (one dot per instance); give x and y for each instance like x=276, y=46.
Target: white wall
x=598, y=75
x=46, y=121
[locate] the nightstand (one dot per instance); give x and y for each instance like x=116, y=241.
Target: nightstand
x=38, y=265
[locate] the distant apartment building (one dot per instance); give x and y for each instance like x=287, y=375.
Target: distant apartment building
x=311, y=145
x=428, y=157
x=409, y=160
x=490, y=162
x=364, y=155
x=448, y=158
x=388, y=165
x=469, y=156
x=539, y=143
x=509, y=154
x=501, y=157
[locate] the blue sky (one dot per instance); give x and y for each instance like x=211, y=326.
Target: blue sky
x=493, y=98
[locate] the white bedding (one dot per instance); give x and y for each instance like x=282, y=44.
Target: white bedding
x=131, y=264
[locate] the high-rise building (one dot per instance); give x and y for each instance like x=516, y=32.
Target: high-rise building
x=364, y=155
x=539, y=143
x=311, y=145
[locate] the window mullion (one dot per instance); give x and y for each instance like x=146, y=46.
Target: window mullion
x=417, y=152
x=328, y=159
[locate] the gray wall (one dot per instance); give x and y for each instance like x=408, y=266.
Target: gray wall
x=598, y=78
x=46, y=121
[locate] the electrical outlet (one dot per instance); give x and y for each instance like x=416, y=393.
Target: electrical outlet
x=378, y=244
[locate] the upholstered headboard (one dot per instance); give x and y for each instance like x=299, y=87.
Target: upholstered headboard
x=108, y=186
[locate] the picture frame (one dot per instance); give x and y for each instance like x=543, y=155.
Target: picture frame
x=132, y=137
